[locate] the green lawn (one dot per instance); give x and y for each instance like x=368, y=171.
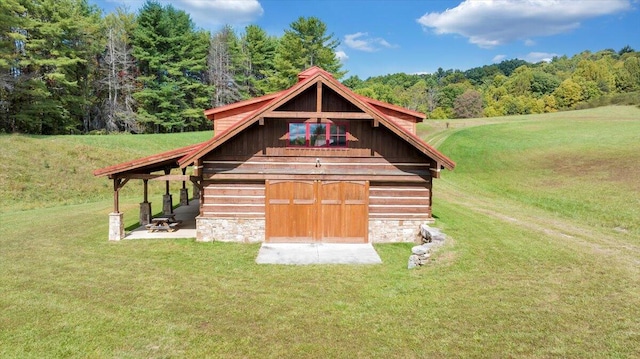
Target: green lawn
x=527, y=272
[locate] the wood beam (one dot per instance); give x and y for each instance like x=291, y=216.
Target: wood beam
x=322, y=177
x=166, y=185
x=196, y=182
x=318, y=114
x=175, y=178
x=319, y=96
x=435, y=172
x=146, y=190
x=117, y=184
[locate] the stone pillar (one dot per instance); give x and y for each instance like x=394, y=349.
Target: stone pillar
x=116, y=226
x=184, y=197
x=167, y=204
x=145, y=213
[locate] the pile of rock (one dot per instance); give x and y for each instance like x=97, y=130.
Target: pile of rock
x=429, y=237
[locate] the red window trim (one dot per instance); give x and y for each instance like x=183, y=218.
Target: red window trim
x=327, y=134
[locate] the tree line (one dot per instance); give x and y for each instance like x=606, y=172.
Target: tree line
x=67, y=69
x=513, y=87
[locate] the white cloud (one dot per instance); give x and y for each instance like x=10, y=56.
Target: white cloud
x=220, y=12
x=529, y=42
x=210, y=14
x=489, y=23
x=499, y=58
x=536, y=57
x=342, y=56
x=363, y=42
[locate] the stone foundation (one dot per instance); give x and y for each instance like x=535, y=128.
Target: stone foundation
x=116, y=226
x=245, y=230
x=394, y=230
x=251, y=230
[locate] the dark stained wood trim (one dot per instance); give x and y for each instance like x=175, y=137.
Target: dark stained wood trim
x=320, y=177
x=319, y=96
x=318, y=114
x=159, y=177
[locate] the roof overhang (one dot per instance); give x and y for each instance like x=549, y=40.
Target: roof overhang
x=146, y=165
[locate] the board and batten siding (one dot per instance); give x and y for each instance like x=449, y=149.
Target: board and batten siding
x=363, y=140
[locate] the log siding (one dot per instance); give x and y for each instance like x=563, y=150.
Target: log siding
x=233, y=200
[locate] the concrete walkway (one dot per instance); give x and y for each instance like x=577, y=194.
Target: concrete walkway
x=317, y=253
x=187, y=229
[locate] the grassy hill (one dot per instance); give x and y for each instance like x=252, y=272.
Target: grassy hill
x=543, y=258
x=46, y=171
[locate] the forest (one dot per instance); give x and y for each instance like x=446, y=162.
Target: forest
x=67, y=68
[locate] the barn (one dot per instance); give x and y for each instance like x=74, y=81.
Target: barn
x=313, y=163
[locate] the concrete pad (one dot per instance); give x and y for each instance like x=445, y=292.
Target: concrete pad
x=187, y=229
x=317, y=253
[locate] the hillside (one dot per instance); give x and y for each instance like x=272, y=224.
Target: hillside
x=49, y=171
x=581, y=165
x=541, y=259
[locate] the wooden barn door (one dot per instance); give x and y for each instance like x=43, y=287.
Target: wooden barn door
x=290, y=208
x=314, y=211
x=343, y=210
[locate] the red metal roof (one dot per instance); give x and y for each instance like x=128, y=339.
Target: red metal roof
x=150, y=163
x=212, y=111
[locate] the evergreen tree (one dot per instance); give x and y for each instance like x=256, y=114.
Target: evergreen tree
x=12, y=37
x=260, y=50
x=305, y=44
x=171, y=59
x=56, y=67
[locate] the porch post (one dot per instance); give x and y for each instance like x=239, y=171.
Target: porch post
x=184, y=193
x=116, y=226
x=116, y=222
x=145, y=206
x=167, y=200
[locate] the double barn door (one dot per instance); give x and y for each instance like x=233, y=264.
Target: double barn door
x=317, y=211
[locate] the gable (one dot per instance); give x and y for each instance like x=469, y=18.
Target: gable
x=314, y=97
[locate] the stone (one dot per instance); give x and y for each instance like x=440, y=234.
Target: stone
x=430, y=234
x=116, y=226
x=426, y=236
x=419, y=250
x=394, y=230
x=431, y=238
x=184, y=197
x=145, y=213
x=167, y=204
x=414, y=261
x=247, y=230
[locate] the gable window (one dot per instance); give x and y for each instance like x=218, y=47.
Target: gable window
x=317, y=134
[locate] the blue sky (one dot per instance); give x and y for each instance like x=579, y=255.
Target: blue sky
x=380, y=37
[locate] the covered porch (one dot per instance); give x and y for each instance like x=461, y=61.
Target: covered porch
x=186, y=214
x=157, y=167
